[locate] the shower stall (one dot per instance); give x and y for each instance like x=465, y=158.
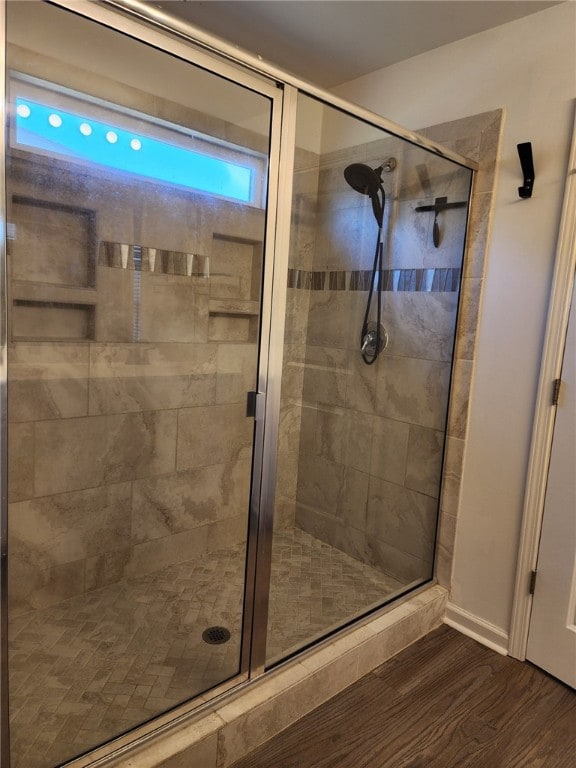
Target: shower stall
x=226, y=373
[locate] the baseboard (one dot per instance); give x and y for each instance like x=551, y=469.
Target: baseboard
x=476, y=628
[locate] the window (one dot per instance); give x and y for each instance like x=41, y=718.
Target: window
x=61, y=123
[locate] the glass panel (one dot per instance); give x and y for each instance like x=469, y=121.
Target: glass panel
x=362, y=436
x=134, y=320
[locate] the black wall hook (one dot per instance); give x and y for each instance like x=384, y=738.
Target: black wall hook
x=527, y=163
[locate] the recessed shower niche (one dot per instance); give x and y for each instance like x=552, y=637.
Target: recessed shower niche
x=194, y=437
x=52, y=257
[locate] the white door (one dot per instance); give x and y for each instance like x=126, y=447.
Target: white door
x=552, y=634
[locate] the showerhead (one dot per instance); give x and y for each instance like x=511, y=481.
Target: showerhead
x=367, y=181
x=363, y=179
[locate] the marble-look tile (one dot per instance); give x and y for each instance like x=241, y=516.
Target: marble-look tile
x=410, y=233
x=287, y=475
x=361, y=393
x=445, y=550
x=326, y=375
x=31, y=587
x=463, y=127
x=223, y=327
x=72, y=454
x=351, y=541
x=262, y=692
x=284, y=513
x=424, y=175
x=20, y=461
x=452, y=475
x=170, y=222
x=459, y=398
x=413, y=390
x=343, y=436
x=315, y=523
x=478, y=233
x=47, y=381
x=45, y=320
x=66, y=527
x=116, y=309
x=412, y=242
x=377, y=649
x=345, y=236
x=468, y=318
x=401, y=632
x=202, y=752
x=424, y=460
x=320, y=484
x=308, y=430
x=359, y=439
x=401, y=565
x=332, y=531
x=240, y=260
x=236, y=372
x=389, y=449
x=296, y=324
x=106, y=568
x=488, y=155
x=292, y=379
x=178, y=502
x=170, y=309
x=215, y=434
x=402, y=518
x=289, y=428
x=115, y=206
x=352, y=503
x=230, y=533
x=306, y=171
x=142, y=377
x=51, y=245
x=329, y=318
x=302, y=246
x=150, y=556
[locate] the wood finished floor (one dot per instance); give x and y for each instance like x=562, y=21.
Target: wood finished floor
x=444, y=702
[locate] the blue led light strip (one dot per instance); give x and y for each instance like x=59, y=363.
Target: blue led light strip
x=60, y=132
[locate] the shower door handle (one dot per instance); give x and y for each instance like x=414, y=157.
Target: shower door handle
x=255, y=405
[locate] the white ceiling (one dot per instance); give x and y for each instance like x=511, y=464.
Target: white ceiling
x=329, y=42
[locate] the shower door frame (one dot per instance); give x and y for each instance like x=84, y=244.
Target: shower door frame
x=161, y=31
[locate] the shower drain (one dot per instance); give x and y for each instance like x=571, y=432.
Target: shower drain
x=216, y=635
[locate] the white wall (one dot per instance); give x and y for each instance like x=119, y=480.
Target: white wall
x=529, y=68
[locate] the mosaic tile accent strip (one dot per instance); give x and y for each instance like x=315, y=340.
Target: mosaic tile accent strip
x=101, y=663
x=156, y=260
x=432, y=280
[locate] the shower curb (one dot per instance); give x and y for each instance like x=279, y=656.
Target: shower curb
x=248, y=718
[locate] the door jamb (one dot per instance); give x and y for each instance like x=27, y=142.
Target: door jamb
x=545, y=412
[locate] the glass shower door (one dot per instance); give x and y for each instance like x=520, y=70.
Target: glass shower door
x=136, y=189
x=378, y=230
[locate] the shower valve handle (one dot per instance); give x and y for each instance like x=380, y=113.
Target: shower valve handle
x=369, y=340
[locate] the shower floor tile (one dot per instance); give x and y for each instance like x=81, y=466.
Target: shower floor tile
x=94, y=666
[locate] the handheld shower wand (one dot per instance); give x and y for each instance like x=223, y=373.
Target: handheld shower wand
x=368, y=181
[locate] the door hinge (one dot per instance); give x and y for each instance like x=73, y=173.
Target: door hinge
x=556, y=391
x=533, y=581
x=255, y=405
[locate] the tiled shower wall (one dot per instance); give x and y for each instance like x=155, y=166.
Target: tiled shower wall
x=371, y=437
x=128, y=367
x=302, y=245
